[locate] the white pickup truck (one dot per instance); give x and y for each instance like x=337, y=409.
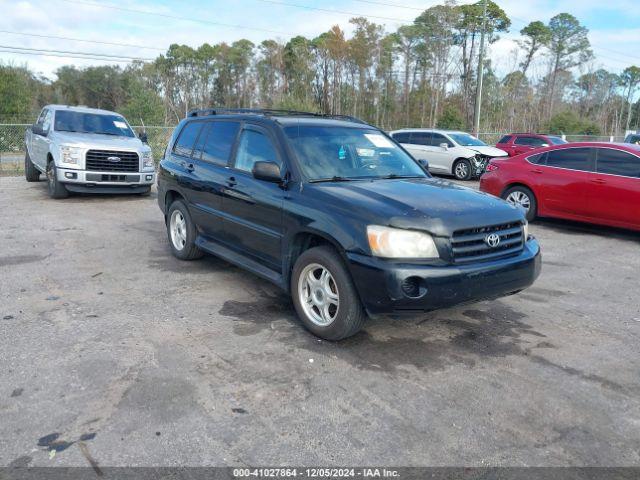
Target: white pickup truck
x=87, y=150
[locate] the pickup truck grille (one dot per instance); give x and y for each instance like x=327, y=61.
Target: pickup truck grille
x=98, y=161
x=471, y=245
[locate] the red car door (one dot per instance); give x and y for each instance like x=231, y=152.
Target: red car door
x=563, y=179
x=614, y=190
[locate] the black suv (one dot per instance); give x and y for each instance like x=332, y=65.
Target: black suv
x=338, y=214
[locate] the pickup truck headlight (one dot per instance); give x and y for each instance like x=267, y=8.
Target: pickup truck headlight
x=147, y=160
x=70, y=155
x=389, y=242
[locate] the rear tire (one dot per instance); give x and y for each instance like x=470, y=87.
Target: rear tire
x=182, y=232
x=56, y=189
x=31, y=173
x=519, y=195
x=324, y=296
x=462, y=169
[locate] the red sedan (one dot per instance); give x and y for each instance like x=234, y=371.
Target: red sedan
x=588, y=182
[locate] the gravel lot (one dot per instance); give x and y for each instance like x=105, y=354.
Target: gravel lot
x=114, y=352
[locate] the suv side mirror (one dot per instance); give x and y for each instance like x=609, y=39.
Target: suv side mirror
x=424, y=164
x=444, y=146
x=38, y=130
x=143, y=137
x=267, y=171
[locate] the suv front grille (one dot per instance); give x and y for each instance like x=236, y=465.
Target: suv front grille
x=471, y=245
x=98, y=161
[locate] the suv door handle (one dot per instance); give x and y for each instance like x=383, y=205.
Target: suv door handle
x=231, y=181
x=536, y=170
x=598, y=181
x=188, y=166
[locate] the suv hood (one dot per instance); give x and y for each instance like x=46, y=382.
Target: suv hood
x=489, y=151
x=437, y=206
x=94, y=140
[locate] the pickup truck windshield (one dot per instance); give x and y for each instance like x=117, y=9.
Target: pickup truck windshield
x=68, y=121
x=466, y=140
x=343, y=153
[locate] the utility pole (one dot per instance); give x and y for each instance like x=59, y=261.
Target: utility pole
x=476, y=112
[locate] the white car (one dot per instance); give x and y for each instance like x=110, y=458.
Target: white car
x=448, y=152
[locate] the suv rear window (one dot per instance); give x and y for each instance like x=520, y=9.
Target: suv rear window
x=219, y=139
x=530, y=141
x=402, y=137
x=187, y=138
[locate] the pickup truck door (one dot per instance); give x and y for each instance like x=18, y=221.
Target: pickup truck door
x=253, y=208
x=40, y=143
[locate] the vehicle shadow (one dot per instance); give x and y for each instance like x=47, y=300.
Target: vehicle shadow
x=579, y=228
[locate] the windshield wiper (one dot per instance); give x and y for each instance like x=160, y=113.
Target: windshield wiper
x=335, y=178
x=394, y=175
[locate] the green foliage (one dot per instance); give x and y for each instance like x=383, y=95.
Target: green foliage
x=568, y=41
x=569, y=123
x=536, y=36
x=143, y=105
x=451, y=119
x=17, y=93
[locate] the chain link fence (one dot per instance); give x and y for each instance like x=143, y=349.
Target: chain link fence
x=12, y=143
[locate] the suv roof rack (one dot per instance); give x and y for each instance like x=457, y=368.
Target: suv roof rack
x=271, y=112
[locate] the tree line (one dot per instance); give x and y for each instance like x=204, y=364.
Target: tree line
x=421, y=75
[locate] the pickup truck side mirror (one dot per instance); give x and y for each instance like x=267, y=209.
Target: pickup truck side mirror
x=38, y=130
x=444, y=146
x=143, y=137
x=267, y=171
x=424, y=164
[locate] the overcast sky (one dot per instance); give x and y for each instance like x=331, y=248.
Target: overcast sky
x=614, y=25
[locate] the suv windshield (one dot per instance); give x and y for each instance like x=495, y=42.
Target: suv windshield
x=466, y=140
x=69, y=121
x=557, y=140
x=343, y=153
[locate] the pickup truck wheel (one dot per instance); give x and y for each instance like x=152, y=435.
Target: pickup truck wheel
x=462, y=169
x=31, y=173
x=56, y=189
x=524, y=198
x=324, y=296
x=182, y=232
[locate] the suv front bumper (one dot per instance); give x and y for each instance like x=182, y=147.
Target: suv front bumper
x=105, y=182
x=383, y=284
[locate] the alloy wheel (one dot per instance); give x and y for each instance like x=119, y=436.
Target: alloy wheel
x=519, y=199
x=318, y=294
x=178, y=230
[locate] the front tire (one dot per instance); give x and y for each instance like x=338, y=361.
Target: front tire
x=524, y=198
x=324, y=296
x=56, y=189
x=182, y=232
x=31, y=173
x=462, y=169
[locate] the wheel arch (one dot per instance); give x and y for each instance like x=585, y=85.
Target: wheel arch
x=458, y=159
x=303, y=240
x=171, y=196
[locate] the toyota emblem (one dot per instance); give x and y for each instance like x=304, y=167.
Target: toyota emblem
x=493, y=240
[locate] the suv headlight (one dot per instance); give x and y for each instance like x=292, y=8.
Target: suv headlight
x=70, y=155
x=147, y=160
x=398, y=243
